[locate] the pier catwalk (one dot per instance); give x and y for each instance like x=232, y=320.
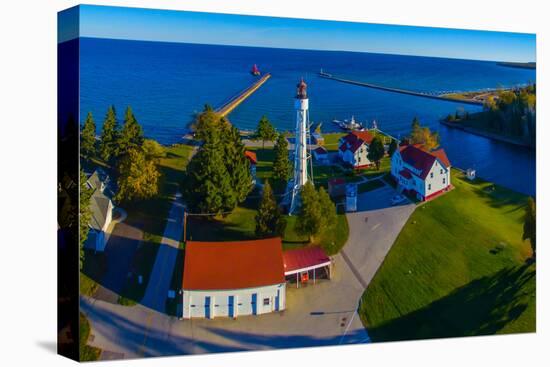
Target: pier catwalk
x=226, y=108
x=402, y=91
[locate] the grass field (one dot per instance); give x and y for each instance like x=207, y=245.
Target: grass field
x=150, y=215
x=457, y=268
x=87, y=352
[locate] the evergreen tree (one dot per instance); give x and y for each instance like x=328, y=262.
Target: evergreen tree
x=138, y=176
x=236, y=163
x=109, y=136
x=87, y=137
x=269, y=220
x=392, y=148
x=376, y=151
x=208, y=185
x=85, y=214
x=265, y=131
x=131, y=136
x=281, y=165
x=530, y=224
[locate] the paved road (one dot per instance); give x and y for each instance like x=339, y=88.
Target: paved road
x=320, y=314
x=161, y=274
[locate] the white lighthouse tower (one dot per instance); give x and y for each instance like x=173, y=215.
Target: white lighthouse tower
x=302, y=157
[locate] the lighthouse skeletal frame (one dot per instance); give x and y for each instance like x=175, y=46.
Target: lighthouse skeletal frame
x=303, y=169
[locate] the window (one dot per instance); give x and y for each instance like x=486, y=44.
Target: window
x=266, y=301
x=443, y=180
x=359, y=159
x=429, y=186
x=431, y=175
x=441, y=171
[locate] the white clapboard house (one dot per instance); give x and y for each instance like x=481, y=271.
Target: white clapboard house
x=421, y=173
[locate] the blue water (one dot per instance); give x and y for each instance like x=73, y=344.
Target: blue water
x=167, y=83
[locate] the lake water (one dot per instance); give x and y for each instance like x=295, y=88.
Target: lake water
x=167, y=83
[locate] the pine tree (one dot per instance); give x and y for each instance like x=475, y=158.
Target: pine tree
x=207, y=122
x=236, y=163
x=281, y=165
x=109, y=135
x=376, y=151
x=131, y=136
x=310, y=216
x=265, y=131
x=87, y=137
x=392, y=148
x=530, y=225
x=138, y=177
x=269, y=220
x=85, y=214
x=208, y=185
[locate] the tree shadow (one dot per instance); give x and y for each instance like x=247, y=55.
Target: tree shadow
x=482, y=307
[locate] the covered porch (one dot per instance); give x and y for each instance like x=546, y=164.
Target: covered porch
x=306, y=265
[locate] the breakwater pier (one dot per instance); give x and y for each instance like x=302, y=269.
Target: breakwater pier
x=232, y=103
x=398, y=90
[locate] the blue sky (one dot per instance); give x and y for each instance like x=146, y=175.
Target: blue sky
x=209, y=28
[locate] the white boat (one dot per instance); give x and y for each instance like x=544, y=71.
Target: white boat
x=348, y=124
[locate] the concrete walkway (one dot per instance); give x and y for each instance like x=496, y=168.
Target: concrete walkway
x=161, y=274
x=320, y=314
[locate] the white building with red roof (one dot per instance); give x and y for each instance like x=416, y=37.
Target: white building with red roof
x=421, y=173
x=354, y=148
x=231, y=279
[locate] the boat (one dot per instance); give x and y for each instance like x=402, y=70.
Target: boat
x=255, y=71
x=349, y=125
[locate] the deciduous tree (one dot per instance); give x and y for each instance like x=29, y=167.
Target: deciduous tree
x=317, y=212
x=376, y=151
x=85, y=213
x=153, y=150
x=265, y=131
x=530, y=224
x=138, y=176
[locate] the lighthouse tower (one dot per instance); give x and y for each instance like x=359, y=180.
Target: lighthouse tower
x=302, y=157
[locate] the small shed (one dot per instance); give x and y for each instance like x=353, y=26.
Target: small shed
x=471, y=174
x=321, y=155
x=351, y=197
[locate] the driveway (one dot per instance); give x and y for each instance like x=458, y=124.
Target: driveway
x=320, y=314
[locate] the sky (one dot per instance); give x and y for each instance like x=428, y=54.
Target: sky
x=242, y=30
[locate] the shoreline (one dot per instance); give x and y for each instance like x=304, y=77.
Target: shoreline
x=487, y=134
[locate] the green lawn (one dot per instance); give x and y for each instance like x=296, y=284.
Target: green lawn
x=87, y=352
x=150, y=215
x=331, y=141
x=457, y=268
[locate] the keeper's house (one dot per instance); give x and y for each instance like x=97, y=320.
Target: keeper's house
x=233, y=278
x=353, y=149
x=421, y=173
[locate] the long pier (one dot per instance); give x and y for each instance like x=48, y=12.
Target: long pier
x=240, y=97
x=402, y=91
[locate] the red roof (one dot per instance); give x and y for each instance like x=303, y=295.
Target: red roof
x=233, y=265
x=355, y=139
x=320, y=150
x=423, y=161
x=251, y=156
x=308, y=257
